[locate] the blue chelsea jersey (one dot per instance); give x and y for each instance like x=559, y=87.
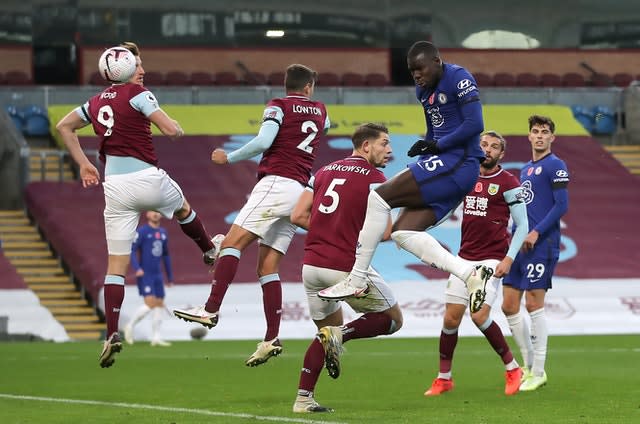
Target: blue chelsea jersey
x=453, y=113
x=544, y=187
x=151, y=244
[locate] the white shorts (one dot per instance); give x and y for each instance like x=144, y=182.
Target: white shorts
x=457, y=292
x=379, y=299
x=126, y=195
x=268, y=209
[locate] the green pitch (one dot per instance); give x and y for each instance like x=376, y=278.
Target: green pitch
x=592, y=379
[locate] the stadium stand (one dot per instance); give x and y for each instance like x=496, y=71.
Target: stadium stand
x=527, y=79
x=375, y=79
x=36, y=121
x=622, y=79
x=504, y=79
x=96, y=79
x=16, y=115
x=573, y=79
x=3, y=80
x=549, y=79
x=10, y=277
x=351, y=79
x=604, y=121
x=276, y=79
x=328, y=79
x=601, y=80
x=202, y=78
x=483, y=80
x=177, y=78
x=154, y=78
x=18, y=78
x=227, y=78
x=256, y=78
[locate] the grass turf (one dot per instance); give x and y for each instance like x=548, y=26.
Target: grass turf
x=592, y=379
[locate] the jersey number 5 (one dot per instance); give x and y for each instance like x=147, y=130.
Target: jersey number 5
x=311, y=128
x=335, y=197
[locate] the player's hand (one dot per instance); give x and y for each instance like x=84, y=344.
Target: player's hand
x=530, y=241
x=423, y=147
x=89, y=175
x=140, y=272
x=219, y=156
x=503, y=267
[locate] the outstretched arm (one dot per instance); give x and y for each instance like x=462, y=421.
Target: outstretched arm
x=67, y=128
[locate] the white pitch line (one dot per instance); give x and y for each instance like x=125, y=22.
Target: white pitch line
x=167, y=409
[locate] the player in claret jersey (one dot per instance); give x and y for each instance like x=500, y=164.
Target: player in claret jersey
x=485, y=240
x=332, y=209
x=121, y=117
x=288, y=138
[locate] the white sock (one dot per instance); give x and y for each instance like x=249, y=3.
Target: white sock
x=139, y=314
x=539, y=336
x=156, y=320
x=428, y=250
x=520, y=332
x=372, y=231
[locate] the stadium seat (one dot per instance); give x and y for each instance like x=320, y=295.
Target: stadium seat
x=202, y=78
x=351, y=79
x=276, y=78
x=483, y=80
x=375, y=79
x=177, y=78
x=604, y=120
x=573, y=79
x=548, y=79
x=601, y=80
x=527, y=79
x=2, y=79
x=226, y=78
x=622, y=79
x=504, y=79
x=16, y=116
x=328, y=79
x=584, y=116
x=18, y=78
x=153, y=78
x=36, y=121
x=255, y=78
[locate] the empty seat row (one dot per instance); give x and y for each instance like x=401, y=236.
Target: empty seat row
x=15, y=78
x=569, y=79
x=178, y=78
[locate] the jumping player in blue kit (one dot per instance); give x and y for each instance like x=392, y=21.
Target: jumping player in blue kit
x=150, y=251
x=433, y=186
x=544, y=181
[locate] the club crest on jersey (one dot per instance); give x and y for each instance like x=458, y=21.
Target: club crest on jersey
x=442, y=98
x=493, y=189
x=538, y=170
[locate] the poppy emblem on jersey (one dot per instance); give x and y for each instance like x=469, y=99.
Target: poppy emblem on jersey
x=442, y=98
x=431, y=98
x=157, y=234
x=478, y=187
x=539, y=170
x=529, y=171
x=493, y=189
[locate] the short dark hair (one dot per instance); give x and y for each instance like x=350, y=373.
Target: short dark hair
x=497, y=135
x=132, y=47
x=427, y=48
x=542, y=120
x=366, y=132
x=298, y=76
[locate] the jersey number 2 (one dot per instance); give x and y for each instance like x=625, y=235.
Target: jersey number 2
x=311, y=128
x=335, y=197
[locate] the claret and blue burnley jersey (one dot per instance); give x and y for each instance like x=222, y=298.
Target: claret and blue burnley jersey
x=544, y=183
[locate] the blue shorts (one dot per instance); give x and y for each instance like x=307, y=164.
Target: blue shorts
x=151, y=285
x=444, y=181
x=534, y=269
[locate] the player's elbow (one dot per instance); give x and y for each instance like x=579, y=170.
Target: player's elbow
x=300, y=219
